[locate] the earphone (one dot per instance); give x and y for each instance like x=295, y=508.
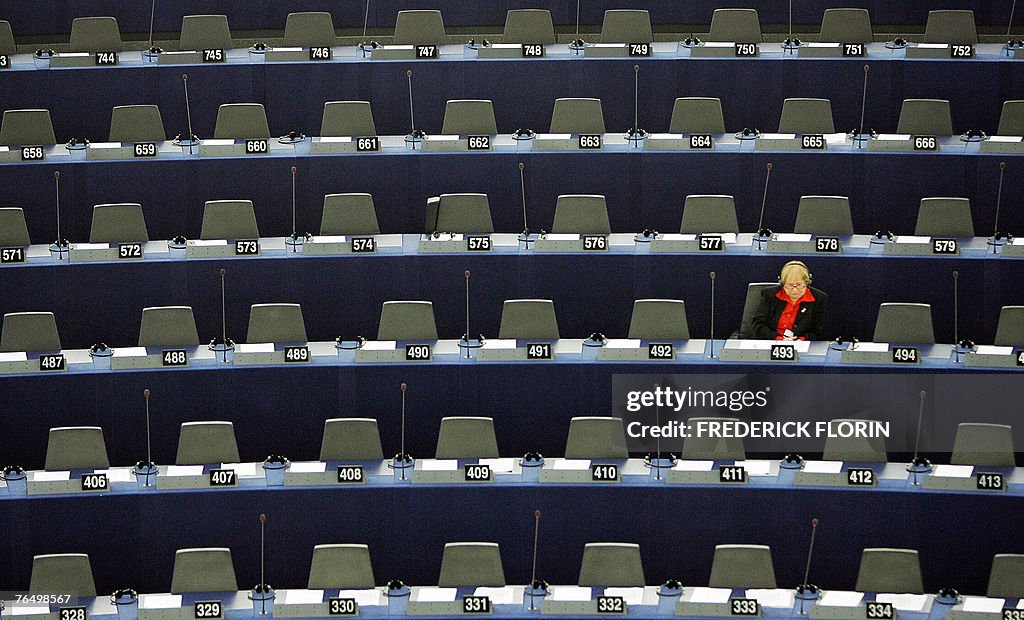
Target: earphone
x=796, y=263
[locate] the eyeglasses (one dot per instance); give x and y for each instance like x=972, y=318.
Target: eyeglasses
x=795, y=287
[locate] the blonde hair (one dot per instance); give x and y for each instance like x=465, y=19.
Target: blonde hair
x=799, y=268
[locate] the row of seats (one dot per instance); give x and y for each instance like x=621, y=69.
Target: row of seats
x=530, y=26
x=470, y=117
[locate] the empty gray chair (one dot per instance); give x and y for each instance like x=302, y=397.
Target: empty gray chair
x=204, y=32
x=626, y=26
x=585, y=214
x=95, y=34
x=136, y=123
x=890, y=570
x=712, y=448
x=76, y=447
x=459, y=213
x=29, y=331
x=356, y=439
x=742, y=566
x=955, y=27
x=709, y=213
x=855, y=448
x=697, y=115
x=7, y=45
x=63, y=572
x=596, y=437
x=659, y=319
x=577, y=115
x=1010, y=329
x=201, y=443
x=469, y=117
x=165, y=326
x=925, y=117
x=309, y=29
x=528, y=319
x=750, y=303
x=802, y=115
x=340, y=566
x=612, y=564
x=945, y=217
x=118, y=223
x=229, y=219
x=986, y=445
x=903, y=322
x=471, y=564
x=1011, y=119
x=205, y=569
x=466, y=437
x=738, y=25
x=531, y=26
x=241, y=121
x=347, y=118
x=419, y=28
x=846, y=26
x=26, y=128
x=1007, y=577
x=276, y=323
x=349, y=214
x=13, y=230
x=824, y=215
x=407, y=320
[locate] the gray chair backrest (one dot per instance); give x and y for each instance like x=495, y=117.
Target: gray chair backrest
x=612, y=564
x=697, y=115
x=63, y=572
x=904, y=322
x=229, y=219
x=700, y=447
x=945, y=217
x=459, y=213
x=742, y=566
x=925, y=117
x=803, y=115
x=164, y=326
x=7, y=45
x=204, y=32
x=709, y=213
x=846, y=26
x=1007, y=577
x=596, y=437
x=419, y=28
x=95, y=34
x=349, y=214
x=989, y=445
x=577, y=115
x=466, y=437
x=1011, y=118
x=202, y=443
x=626, y=26
x=309, y=29
x=347, y=118
x=241, y=121
x=469, y=117
x=824, y=215
x=118, y=223
x=26, y=128
x=951, y=26
x=407, y=320
x=527, y=319
x=276, y=323
x=1010, y=329
x=890, y=570
x=750, y=304
x=471, y=564
x=13, y=230
x=657, y=319
x=738, y=25
x=136, y=123
x=356, y=439
x=29, y=331
x=854, y=448
x=205, y=569
x=340, y=566
x=581, y=213
x=76, y=447
x=531, y=26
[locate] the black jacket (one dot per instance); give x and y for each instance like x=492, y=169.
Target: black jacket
x=810, y=318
